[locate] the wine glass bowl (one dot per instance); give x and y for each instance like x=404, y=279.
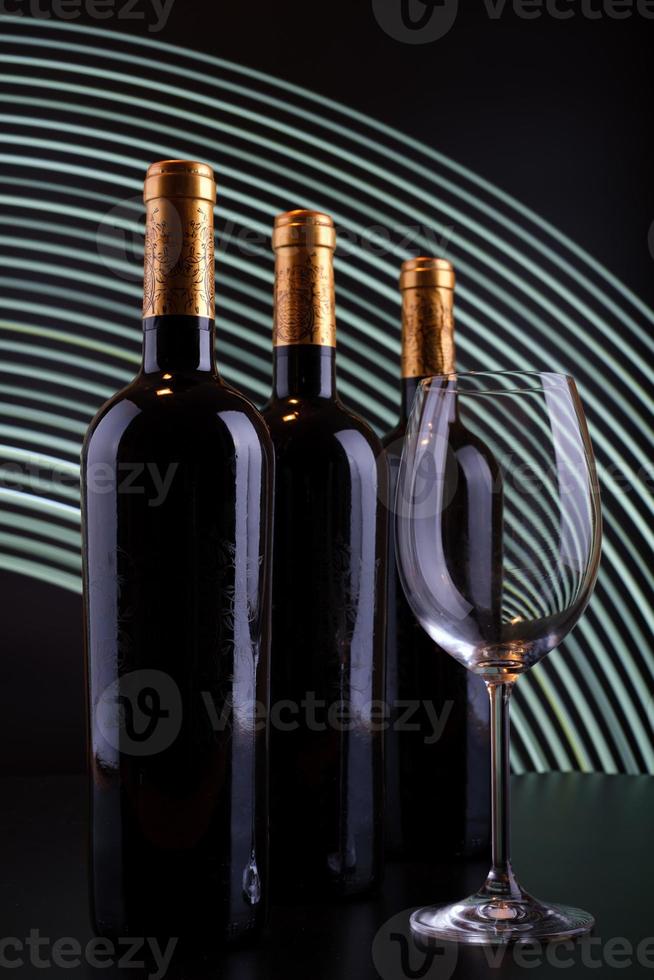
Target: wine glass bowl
x=498, y=520
x=498, y=532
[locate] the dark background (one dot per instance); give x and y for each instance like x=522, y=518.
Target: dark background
x=556, y=112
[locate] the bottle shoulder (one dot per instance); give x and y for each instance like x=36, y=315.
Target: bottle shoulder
x=331, y=414
x=316, y=421
x=180, y=410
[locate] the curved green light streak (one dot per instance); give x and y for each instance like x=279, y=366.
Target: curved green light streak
x=42, y=529
x=628, y=661
x=624, y=575
x=263, y=320
x=531, y=743
x=525, y=313
x=46, y=552
x=599, y=439
x=641, y=736
x=49, y=248
x=536, y=452
x=612, y=674
x=354, y=136
x=601, y=700
x=608, y=417
x=349, y=388
x=86, y=411
x=28, y=436
x=44, y=573
x=48, y=333
x=43, y=418
x=389, y=341
x=64, y=358
x=74, y=339
x=535, y=346
x=41, y=459
x=261, y=364
x=42, y=504
x=497, y=267
x=41, y=485
x=73, y=296
x=57, y=378
x=573, y=736
x=546, y=727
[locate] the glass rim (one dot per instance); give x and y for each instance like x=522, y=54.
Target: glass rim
x=558, y=378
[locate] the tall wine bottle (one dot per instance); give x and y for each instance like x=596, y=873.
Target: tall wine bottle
x=177, y=515
x=328, y=590
x=437, y=784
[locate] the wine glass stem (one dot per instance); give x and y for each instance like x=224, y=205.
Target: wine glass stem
x=501, y=881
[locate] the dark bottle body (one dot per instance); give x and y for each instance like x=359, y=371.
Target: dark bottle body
x=328, y=634
x=437, y=747
x=177, y=501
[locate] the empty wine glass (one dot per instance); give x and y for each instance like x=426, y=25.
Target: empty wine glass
x=498, y=529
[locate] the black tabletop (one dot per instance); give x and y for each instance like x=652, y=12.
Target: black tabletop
x=584, y=840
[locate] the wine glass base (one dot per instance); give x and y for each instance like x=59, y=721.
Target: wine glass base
x=485, y=921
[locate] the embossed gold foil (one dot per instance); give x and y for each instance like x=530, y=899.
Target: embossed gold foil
x=428, y=347
x=305, y=303
x=179, y=276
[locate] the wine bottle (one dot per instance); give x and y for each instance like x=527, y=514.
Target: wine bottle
x=437, y=785
x=177, y=517
x=328, y=591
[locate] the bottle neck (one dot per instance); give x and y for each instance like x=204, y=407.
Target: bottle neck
x=178, y=344
x=178, y=289
x=428, y=347
x=304, y=330
x=305, y=301
x=179, y=263
x=304, y=371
